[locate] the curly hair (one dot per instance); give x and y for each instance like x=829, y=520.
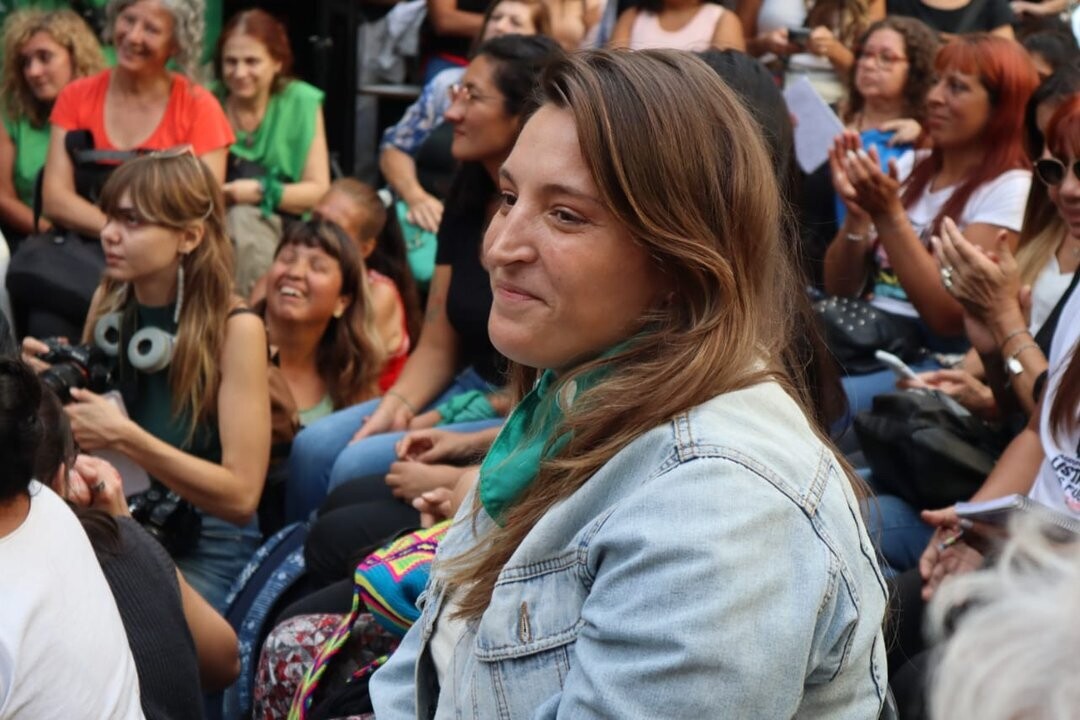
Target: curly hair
x=68, y=30
x=189, y=27
x=921, y=45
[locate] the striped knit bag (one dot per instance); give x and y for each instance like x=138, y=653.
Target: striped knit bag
x=387, y=582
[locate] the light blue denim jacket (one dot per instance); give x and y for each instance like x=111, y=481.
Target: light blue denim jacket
x=716, y=567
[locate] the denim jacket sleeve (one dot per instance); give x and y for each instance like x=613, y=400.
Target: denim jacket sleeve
x=714, y=618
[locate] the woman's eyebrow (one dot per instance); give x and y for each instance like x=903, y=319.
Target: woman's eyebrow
x=554, y=188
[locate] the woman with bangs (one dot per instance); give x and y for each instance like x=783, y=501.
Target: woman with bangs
x=320, y=320
x=190, y=362
x=977, y=176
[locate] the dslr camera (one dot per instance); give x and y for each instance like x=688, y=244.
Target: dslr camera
x=75, y=366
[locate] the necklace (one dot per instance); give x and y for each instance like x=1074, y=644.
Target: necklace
x=245, y=131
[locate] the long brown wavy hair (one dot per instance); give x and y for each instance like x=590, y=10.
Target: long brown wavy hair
x=684, y=169
x=66, y=29
x=176, y=190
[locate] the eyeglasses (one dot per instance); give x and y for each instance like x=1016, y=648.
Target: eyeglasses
x=884, y=60
x=1052, y=171
x=465, y=93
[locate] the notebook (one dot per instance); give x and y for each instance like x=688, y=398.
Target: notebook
x=998, y=511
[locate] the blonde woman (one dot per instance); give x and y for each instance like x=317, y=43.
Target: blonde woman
x=199, y=412
x=659, y=530
x=43, y=52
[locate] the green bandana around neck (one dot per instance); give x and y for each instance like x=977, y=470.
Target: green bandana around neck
x=527, y=438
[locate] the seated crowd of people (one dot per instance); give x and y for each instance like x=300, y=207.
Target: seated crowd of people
x=604, y=349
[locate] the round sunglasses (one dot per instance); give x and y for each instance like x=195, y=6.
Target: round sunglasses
x=1052, y=171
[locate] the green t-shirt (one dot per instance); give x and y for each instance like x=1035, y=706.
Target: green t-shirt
x=283, y=139
x=31, y=146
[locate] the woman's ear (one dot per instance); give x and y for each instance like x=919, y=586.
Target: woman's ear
x=343, y=303
x=191, y=237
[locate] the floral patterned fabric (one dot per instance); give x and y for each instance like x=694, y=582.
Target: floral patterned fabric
x=291, y=648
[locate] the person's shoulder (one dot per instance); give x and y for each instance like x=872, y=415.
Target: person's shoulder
x=300, y=92
x=188, y=93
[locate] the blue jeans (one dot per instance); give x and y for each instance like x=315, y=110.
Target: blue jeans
x=222, y=552
x=322, y=458
x=897, y=532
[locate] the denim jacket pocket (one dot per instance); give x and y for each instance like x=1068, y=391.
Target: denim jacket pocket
x=524, y=642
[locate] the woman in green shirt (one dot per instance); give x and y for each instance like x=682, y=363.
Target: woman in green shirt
x=43, y=52
x=279, y=163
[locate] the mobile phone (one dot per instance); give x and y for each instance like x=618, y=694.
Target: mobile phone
x=898, y=366
x=798, y=36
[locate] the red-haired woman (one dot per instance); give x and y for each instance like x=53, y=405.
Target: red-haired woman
x=977, y=174
x=279, y=162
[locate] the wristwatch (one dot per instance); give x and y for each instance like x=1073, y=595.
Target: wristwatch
x=1013, y=366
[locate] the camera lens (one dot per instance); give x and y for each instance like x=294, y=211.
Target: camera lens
x=62, y=377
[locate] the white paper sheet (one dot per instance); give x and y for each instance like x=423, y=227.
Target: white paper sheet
x=815, y=124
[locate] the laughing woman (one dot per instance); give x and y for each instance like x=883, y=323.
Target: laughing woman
x=646, y=281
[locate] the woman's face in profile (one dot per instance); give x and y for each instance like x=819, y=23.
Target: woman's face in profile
x=567, y=279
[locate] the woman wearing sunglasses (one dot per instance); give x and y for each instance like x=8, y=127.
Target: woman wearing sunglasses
x=1002, y=317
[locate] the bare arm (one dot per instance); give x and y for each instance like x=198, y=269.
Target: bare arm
x=1004, y=31
x=299, y=197
x=217, y=160
x=748, y=10
x=389, y=316
x=61, y=204
x=13, y=210
x=229, y=490
x=729, y=33
x=446, y=19
x=399, y=169
x=427, y=371
x=215, y=641
x=847, y=262
x=620, y=35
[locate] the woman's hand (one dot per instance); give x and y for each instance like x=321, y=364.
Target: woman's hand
x=31, y=349
x=443, y=503
x=93, y=482
x=425, y=211
x=391, y=415
x=939, y=560
x=96, y=421
x=987, y=284
x=426, y=420
x=243, y=192
x=961, y=386
x=437, y=446
x=840, y=180
x=876, y=192
x=821, y=41
x=409, y=479
x=906, y=131
x=776, y=42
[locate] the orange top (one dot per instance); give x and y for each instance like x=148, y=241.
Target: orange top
x=193, y=115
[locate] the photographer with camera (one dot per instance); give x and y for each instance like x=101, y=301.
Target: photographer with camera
x=189, y=361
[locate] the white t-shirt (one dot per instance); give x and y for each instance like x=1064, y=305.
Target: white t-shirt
x=998, y=202
x=1058, y=481
x=1046, y=291
x=63, y=649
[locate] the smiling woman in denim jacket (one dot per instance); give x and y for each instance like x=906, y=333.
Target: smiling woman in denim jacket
x=659, y=530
